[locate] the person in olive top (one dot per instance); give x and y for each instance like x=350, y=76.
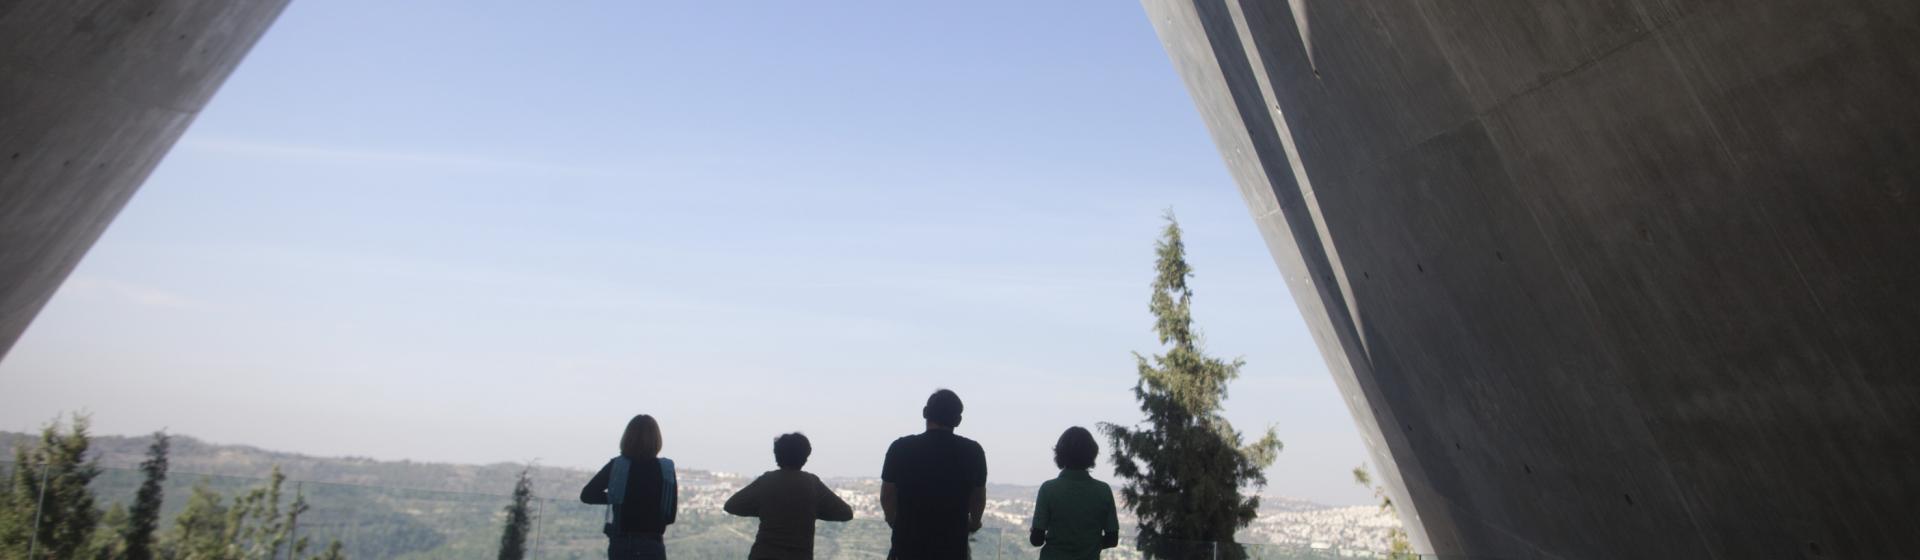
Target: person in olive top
x=1074, y=517
x=787, y=501
x=641, y=490
x=934, y=486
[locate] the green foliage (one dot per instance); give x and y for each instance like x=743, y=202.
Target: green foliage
x=294, y=511
x=513, y=537
x=333, y=552
x=1185, y=468
x=106, y=543
x=49, y=490
x=256, y=522
x=1398, y=548
x=251, y=527
x=144, y=518
x=200, y=530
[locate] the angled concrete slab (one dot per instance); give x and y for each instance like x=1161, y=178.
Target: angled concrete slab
x=1599, y=279
x=92, y=95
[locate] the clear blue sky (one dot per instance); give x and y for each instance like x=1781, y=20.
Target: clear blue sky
x=491, y=231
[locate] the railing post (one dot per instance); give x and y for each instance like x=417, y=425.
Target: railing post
x=538, y=519
x=293, y=525
x=39, y=504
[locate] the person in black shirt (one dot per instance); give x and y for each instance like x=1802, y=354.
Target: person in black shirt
x=648, y=500
x=934, y=486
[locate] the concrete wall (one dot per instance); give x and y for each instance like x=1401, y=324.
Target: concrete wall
x=92, y=94
x=1599, y=278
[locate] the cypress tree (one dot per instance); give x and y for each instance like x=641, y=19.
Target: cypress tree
x=1185, y=468
x=513, y=537
x=145, y=515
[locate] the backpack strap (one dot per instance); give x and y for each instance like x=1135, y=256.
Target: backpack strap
x=617, y=480
x=617, y=470
x=669, y=491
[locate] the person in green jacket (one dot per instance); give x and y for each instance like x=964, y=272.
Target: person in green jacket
x=1074, y=517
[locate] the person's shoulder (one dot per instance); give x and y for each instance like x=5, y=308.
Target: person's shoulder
x=967, y=441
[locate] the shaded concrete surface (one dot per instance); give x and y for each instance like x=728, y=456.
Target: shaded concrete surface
x=92, y=94
x=1598, y=278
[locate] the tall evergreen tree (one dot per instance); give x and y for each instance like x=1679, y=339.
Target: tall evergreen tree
x=145, y=514
x=49, y=490
x=513, y=537
x=1185, y=468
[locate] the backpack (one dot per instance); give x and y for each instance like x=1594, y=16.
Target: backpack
x=617, y=489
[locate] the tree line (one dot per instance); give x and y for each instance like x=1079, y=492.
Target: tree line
x=49, y=512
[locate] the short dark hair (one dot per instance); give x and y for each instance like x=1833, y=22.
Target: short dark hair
x=943, y=408
x=1076, y=449
x=642, y=438
x=790, y=451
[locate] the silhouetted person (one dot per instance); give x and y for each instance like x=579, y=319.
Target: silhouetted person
x=934, y=486
x=787, y=501
x=640, y=491
x=1074, y=517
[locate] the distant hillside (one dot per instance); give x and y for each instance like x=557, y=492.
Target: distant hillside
x=192, y=455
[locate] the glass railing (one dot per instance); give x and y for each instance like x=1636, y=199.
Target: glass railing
x=380, y=522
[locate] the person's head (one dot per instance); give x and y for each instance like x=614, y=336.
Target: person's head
x=642, y=438
x=1076, y=449
x=943, y=409
x=790, y=451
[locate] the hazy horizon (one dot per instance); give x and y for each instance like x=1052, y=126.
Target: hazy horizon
x=491, y=232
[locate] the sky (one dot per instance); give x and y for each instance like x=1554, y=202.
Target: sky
x=477, y=232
